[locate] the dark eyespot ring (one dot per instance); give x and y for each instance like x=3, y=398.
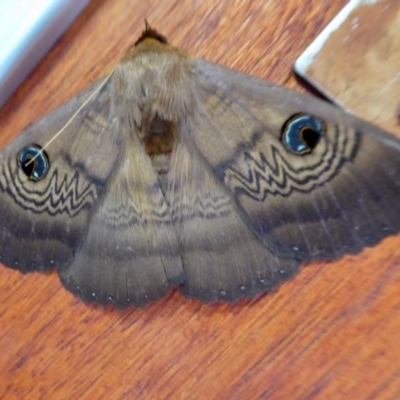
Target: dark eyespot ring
x=36, y=169
x=302, y=132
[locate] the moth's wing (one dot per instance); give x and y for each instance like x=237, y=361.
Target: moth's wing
x=130, y=254
x=43, y=222
x=222, y=257
x=342, y=196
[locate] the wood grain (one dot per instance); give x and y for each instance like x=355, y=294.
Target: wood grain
x=368, y=83
x=331, y=332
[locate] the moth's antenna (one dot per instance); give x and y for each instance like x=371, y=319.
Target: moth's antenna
x=106, y=79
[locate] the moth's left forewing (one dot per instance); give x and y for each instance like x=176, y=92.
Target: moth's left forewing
x=44, y=218
x=130, y=254
x=336, y=198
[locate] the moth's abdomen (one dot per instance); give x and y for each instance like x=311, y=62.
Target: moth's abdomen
x=158, y=137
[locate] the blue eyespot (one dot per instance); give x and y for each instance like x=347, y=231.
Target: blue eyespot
x=34, y=162
x=302, y=132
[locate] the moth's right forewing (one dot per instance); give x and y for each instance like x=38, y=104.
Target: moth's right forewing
x=338, y=198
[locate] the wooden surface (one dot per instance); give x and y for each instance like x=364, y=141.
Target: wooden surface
x=368, y=83
x=330, y=333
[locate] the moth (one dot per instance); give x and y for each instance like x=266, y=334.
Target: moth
x=175, y=172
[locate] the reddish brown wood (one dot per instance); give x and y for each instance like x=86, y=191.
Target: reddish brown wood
x=331, y=332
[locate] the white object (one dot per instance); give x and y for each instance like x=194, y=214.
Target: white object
x=28, y=28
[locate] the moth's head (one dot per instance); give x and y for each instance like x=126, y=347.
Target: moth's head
x=150, y=39
x=150, y=33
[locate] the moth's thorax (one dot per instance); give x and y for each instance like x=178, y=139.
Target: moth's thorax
x=151, y=93
x=153, y=79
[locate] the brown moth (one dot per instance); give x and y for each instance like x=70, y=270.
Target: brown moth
x=177, y=172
